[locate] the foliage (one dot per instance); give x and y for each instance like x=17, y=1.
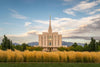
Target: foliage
x=75, y=44
x=92, y=45
x=6, y=43
x=0, y=47
x=86, y=48
x=19, y=47
x=62, y=48
x=32, y=48
x=24, y=45
x=79, y=48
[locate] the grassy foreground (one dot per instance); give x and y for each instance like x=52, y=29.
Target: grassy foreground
x=39, y=56
x=49, y=65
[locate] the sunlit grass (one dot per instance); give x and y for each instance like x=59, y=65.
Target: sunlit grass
x=39, y=56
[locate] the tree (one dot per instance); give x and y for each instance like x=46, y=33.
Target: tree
x=79, y=48
x=19, y=47
x=32, y=48
x=0, y=47
x=24, y=45
x=6, y=43
x=92, y=45
x=71, y=48
x=75, y=44
x=98, y=48
x=98, y=43
x=86, y=48
x=62, y=48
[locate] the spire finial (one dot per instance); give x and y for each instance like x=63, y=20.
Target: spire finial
x=50, y=19
x=50, y=29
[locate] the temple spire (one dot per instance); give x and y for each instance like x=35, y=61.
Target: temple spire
x=50, y=28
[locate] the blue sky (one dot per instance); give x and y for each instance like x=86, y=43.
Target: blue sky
x=76, y=20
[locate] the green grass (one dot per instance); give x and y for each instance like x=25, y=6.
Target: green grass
x=49, y=65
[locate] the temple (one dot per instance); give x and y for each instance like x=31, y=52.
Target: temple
x=50, y=41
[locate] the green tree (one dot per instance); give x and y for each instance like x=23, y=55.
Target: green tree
x=86, y=48
x=32, y=48
x=38, y=48
x=98, y=48
x=24, y=45
x=6, y=43
x=92, y=45
x=62, y=48
x=75, y=44
x=0, y=47
x=19, y=47
x=79, y=48
x=98, y=43
x=71, y=48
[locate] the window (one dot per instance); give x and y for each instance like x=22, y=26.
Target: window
x=50, y=43
x=50, y=38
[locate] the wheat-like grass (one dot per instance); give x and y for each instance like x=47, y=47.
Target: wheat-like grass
x=39, y=56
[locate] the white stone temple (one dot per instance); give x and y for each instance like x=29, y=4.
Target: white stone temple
x=50, y=41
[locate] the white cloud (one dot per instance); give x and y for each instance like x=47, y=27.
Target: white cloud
x=30, y=36
x=40, y=21
x=83, y=6
x=66, y=26
x=32, y=32
x=15, y=14
x=93, y=12
x=69, y=11
x=27, y=23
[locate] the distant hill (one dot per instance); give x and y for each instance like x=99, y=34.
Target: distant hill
x=16, y=44
x=63, y=43
x=30, y=44
x=33, y=43
x=67, y=43
x=70, y=43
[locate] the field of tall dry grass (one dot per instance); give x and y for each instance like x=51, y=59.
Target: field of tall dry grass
x=39, y=56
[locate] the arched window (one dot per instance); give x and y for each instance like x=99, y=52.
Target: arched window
x=50, y=43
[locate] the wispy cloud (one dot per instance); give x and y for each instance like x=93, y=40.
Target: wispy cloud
x=70, y=27
x=27, y=23
x=40, y=21
x=82, y=28
x=69, y=11
x=83, y=6
x=30, y=36
x=93, y=12
x=15, y=14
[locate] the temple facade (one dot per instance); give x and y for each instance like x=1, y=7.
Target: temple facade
x=50, y=41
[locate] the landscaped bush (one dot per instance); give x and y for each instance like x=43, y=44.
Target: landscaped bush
x=40, y=56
